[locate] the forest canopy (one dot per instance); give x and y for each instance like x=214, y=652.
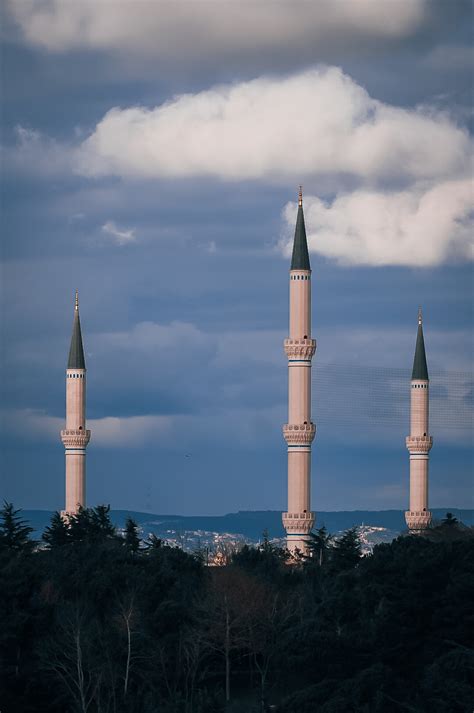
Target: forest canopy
x=99, y=621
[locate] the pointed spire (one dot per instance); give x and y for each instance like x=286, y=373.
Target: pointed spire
x=76, y=352
x=300, y=257
x=420, y=368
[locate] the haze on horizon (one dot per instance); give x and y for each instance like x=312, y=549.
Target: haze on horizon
x=160, y=178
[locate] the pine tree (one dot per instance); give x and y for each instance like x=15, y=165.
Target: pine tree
x=80, y=525
x=14, y=532
x=450, y=519
x=91, y=524
x=57, y=533
x=153, y=542
x=132, y=539
x=100, y=516
x=319, y=544
x=346, y=551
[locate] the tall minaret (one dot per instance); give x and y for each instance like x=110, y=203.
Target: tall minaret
x=299, y=432
x=419, y=442
x=75, y=436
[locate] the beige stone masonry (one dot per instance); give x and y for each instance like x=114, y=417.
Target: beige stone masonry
x=299, y=434
x=75, y=438
x=419, y=444
x=296, y=523
x=300, y=348
x=418, y=520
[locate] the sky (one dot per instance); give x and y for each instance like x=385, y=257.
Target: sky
x=151, y=157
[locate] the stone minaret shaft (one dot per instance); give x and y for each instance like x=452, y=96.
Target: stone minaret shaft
x=299, y=432
x=419, y=442
x=75, y=436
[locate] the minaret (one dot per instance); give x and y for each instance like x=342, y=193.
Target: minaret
x=419, y=442
x=299, y=432
x=75, y=436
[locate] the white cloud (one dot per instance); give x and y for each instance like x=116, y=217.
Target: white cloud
x=204, y=28
x=314, y=123
x=420, y=226
x=120, y=235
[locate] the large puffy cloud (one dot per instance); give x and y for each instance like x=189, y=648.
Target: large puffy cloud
x=202, y=28
x=420, y=226
x=317, y=122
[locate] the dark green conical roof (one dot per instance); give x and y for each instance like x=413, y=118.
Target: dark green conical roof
x=300, y=257
x=420, y=368
x=76, y=352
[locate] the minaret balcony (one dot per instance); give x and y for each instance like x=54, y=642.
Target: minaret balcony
x=299, y=434
x=418, y=520
x=75, y=438
x=297, y=523
x=419, y=444
x=300, y=348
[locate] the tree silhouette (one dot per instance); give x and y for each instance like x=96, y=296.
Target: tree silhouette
x=131, y=537
x=89, y=524
x=450, y=519
x=57, y=533
x=346, y=551
x=319, y=544
x=85, y=626
x=14, y=532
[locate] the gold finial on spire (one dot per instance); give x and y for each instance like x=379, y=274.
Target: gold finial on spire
x=76, y=307
x=300, y=197
x=420, y=316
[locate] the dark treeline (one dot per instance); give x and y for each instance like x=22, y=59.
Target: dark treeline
x=97, y=622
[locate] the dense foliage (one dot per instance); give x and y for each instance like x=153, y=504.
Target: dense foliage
x=100, y=622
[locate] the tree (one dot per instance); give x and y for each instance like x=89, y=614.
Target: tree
x=132, y=539
x=267, y=613
x=346, y=551
x=266, y=560
x=319, y=544
x=153, y=542
x=100, y=516
x=14, y=532
x=57, y=533
x=450, y=519
x=226, y=614
x=70, y=656
x=91, y=524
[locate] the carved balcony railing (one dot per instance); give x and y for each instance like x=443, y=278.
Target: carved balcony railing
x=418, y=519
x=299, y=434
x=75, y=438
x=300, y=348
x=419, y=444
x=296, y=523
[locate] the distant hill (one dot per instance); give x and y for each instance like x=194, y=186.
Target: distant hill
x=251, y=524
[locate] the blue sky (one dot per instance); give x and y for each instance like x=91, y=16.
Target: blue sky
x=151, y=156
